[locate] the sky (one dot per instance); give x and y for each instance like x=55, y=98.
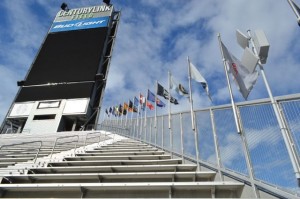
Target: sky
x=155, y=37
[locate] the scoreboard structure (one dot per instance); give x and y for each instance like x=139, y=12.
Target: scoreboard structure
x=64, y=87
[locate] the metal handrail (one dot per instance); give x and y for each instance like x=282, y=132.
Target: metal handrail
x=64, y=142
x=23, y=143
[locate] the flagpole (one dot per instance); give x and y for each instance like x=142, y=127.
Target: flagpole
x=295, y=11
x=193, y=115
x=127, y=114
x=122, y=115
x=238, y=128
x=170, y=129
x=237, y=122
x=145, y=122
x=141, y=116
x=131, y=123
x=155, y=118
x=283, y=128
x=138, y=120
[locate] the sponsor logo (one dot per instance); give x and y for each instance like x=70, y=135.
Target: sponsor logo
x=234, y=66
x=79, y=24
x=83, y=13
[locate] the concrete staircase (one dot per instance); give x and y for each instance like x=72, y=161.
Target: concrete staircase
x=123, y=169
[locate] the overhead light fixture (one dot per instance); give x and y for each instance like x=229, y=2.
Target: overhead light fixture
x=107, y=2
x=64, y=7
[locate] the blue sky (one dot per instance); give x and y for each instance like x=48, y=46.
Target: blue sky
x=157, y=36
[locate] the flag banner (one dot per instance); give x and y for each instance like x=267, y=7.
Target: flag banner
x=244, y=79
x=135, y=105
x=178, y=87
x=110, y=109
x=125, y=106
x=160, y=103
x=151, y=98
x=142, y=102
x=164, y=93
x=150, y=106
x=106, y=111
x=196, y=75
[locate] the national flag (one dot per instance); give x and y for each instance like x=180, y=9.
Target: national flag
x=196, y=75
x=151, y=98
x=178, y=87
x=142, y=102
x=106, y=111
x=135, y=104
x=160, y=103
x=150, y=106
x=164, y=93
x=110, y=110
x=125, y=108
x=244, y=79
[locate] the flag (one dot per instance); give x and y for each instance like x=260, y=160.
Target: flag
x=142, y=102
x=120, y=110
x=178, y=87
x=110, y=110
x=196, y=75
x=130, y=107
x=125, y=108
x=151, y=98
x=106, y=111
x=164, y=93
x=244, y=79
x=135, y=104
x=150, y=106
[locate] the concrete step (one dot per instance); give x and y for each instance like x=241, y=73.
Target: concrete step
x=113, y=162
x=124, y=190
x=110, y=177
x=90, y=153
x=118, y=157
x=114, y=169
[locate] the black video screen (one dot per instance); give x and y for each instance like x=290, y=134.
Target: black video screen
x=70, y=56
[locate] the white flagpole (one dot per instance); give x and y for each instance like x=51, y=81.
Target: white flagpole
x=285, y=133
x=131, y=123
x=170, y=125
x=237, y=122
x=295, y=11
x=155, y=105
x=238, y=127
x=155, y=118
x=141, y=116
x=191, y=96
x=193, y=115
x=122, y=115
x=145, y=124
x=131, y=113
x=169, y=105
x=138, y=118
x=145, y=121
x=127, y=113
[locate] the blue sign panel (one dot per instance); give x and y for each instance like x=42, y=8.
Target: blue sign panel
x=79, y=24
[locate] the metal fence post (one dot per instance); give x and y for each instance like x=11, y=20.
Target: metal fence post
x=181, y=138
x=218, y=157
